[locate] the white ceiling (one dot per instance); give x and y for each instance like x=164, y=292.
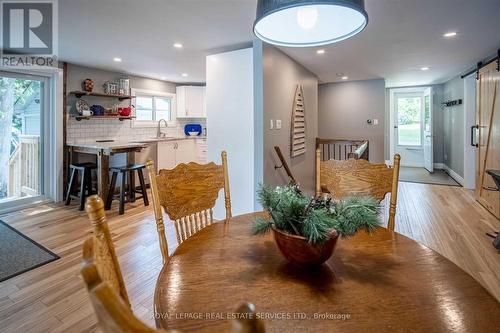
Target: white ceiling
x=402, y=36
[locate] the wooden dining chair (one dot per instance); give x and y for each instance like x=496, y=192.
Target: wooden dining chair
x=188, y=193
x=108, y=295
x=100, y=250
x=358, y=176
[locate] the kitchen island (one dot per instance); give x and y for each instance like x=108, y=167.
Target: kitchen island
x=169, y=151
x=103, y=150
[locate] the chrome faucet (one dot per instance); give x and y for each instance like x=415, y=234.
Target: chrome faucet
x=160, y=134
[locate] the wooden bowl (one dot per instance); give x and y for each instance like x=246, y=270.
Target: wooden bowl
x=299, y=251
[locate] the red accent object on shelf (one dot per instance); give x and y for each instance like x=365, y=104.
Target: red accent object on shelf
x=125, y=112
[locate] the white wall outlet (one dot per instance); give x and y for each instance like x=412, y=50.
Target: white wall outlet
x=375, y=121
x=278, y=124
x=271, y=124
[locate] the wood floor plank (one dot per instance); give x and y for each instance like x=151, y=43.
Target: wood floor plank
x=52, y=298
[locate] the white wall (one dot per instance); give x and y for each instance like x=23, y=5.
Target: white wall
x=231, y=124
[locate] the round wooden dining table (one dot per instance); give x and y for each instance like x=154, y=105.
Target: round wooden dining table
x=378, y=282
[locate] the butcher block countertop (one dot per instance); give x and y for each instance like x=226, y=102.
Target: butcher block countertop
x=105, y=144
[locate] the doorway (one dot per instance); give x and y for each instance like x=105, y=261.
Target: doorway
x=22, y=110
x=411, y=135
x=411, y=121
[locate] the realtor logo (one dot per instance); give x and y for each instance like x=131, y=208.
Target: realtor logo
x=28, y=28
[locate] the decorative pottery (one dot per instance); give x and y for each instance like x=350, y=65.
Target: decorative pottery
x=299, y=251
x=81, y=106
x=98, y=110
x=88, y=85
x=125, y=112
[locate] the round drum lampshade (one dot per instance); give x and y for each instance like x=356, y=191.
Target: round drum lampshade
x=305, y=23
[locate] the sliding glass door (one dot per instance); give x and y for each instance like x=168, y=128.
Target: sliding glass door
x=21, y=138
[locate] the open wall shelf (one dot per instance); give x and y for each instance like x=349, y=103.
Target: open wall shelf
x=79, y=94
x=121, y=118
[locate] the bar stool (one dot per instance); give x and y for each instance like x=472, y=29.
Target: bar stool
x=126, y=188
x=84, y=171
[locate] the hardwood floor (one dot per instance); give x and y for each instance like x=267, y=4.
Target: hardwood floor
x=53, y=298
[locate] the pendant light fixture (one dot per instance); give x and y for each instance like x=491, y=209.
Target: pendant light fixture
x=305, y=23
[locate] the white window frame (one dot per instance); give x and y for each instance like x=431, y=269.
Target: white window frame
x=153, y=93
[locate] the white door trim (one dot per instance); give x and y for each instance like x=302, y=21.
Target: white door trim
x=428, y=145
x=392, y=93
x=469, y=179
x=52, y=168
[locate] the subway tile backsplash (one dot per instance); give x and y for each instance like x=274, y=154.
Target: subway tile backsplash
x=98, y=129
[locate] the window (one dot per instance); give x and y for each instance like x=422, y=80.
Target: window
x=153, y=108
x=409, y=116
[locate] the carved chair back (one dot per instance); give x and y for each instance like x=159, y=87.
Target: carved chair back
x=100, y=251
x=103, y=279
x=115, y=316
x=188, y=193
x=358, y=176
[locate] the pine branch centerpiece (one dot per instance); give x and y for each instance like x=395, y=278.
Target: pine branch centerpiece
x=306, y=229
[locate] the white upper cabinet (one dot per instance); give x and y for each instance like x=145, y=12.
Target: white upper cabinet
x=191, y=102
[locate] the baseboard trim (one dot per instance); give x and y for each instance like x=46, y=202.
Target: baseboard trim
x=410, y=165
x=459, y=179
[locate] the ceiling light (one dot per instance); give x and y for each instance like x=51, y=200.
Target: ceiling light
x=320, y=51
x=450, y=34
x=304, y=23
x=178, y=45
x=116, y=59
x=163, y=78
x=345, y=78
x=425, y=68
x=307, y=17
x=184, y=74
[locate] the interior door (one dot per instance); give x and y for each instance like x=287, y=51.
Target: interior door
x=488, y=147
x=428, y=131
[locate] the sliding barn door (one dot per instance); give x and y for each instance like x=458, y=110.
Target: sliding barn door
x=488, y=154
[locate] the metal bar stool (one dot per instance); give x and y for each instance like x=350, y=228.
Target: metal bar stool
x=84, y=171
x=126, y=189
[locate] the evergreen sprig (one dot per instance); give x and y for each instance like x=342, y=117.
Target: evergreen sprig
x=314, y=218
